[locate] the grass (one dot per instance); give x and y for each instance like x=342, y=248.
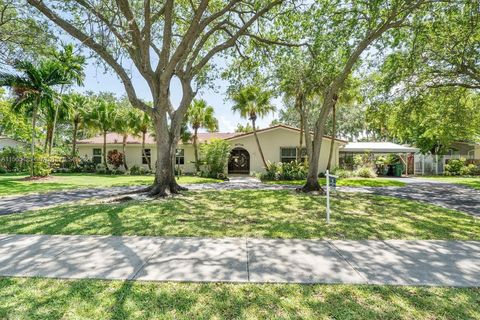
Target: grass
x=13, y=184
x=252, y=213
x=36, y=298
x=473, y=182
x=350, y=182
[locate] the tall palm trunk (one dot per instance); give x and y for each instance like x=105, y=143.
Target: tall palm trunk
x=299, y=153
x=52, y=138
x=105, y=150
x=74, y=139
x=332, y=142
x=47, y=146
x=195, y=149
x=144, y=153
x=258, y=141
x=124, y=149
x=32, y=148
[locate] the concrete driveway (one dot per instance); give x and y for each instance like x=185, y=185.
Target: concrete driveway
x=447, y=195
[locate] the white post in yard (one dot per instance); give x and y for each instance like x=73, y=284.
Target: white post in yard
x=328, y=197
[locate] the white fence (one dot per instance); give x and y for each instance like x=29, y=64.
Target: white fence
x=430, y=164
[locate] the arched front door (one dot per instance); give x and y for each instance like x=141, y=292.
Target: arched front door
x=239, y=161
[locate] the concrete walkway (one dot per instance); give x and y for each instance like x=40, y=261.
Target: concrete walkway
x=435, y=263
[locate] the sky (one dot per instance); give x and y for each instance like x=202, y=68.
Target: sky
x=97, y=80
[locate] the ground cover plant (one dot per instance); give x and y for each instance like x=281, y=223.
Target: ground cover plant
x=36, y=298
x=14, y=184
x=252, y=213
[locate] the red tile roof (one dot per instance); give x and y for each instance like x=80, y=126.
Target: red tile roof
x=115, y=138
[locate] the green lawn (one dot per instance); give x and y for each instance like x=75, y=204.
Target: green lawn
x=473, y=182
x=252, y=213
x=350, y=182
x=36, y=298
x=13, y=184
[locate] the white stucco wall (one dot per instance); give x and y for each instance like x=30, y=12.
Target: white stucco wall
x=477, y=152
x=270, y=140
x=7, y=142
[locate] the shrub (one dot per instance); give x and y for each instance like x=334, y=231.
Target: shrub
x=342, y=173
x=85, y=165
x=285, y=171
x=100, y=168
x=455, y=167
x=365, y=172
x=215, y=155
x=115, y=158
x=3, y=170
x=136, y=170
x=14, y=160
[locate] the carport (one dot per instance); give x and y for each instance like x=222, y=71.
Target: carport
x=379, y=148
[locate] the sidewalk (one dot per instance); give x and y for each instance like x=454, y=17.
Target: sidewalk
x=436, y=263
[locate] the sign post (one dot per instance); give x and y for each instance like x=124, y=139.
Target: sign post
x=331, y=180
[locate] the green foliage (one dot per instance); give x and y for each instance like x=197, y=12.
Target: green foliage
x=285, y=171
x=13, y=160
x=136, y=170
x=365, y=172
x=459, y=167
x=215, y=155
x=343, y=173
x=244, y=128
x=252, y=102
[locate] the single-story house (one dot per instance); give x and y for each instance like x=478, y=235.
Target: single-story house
x=9, y=142
x=279, y=144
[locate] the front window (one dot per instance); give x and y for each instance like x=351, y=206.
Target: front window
x=180, y=156
x=147, y=157
x=97, y=156
x=290, y=154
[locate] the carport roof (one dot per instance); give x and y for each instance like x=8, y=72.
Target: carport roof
x=376, y=147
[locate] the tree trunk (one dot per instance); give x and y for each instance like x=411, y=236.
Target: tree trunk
x=258, y=143
x=105, y=150
x=32, y=148
x=299, y=153
x=144, y=153
x=47, y=146
x=124, y=151
x=195, y=149
x=74, y=139
x=54, y=124
x=164, y=169
x=312, y=177
x=332, y=142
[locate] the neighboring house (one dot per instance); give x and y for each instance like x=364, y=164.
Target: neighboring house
x=9, y=142
x=279, y=144
x=464, y=149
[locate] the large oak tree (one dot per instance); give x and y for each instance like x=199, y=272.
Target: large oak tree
x=165, y=40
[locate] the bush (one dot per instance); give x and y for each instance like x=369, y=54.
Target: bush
x=215, y=155
x=136, y=170
x=285, y=171
x=455, y=167
x=100, y=168
x=3, y=170
x=85, y=165
x=365, y=172
x=342, y=173
x=14, y=160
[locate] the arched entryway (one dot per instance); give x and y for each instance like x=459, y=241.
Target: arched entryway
x=239, y=161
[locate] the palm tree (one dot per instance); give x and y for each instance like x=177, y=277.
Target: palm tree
x=253, y=102
x=200, y=115
x=141, y=125
x=33, y=88
x=103, y=117
x=125, y=125
x=71, y=68
x=77, y=108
